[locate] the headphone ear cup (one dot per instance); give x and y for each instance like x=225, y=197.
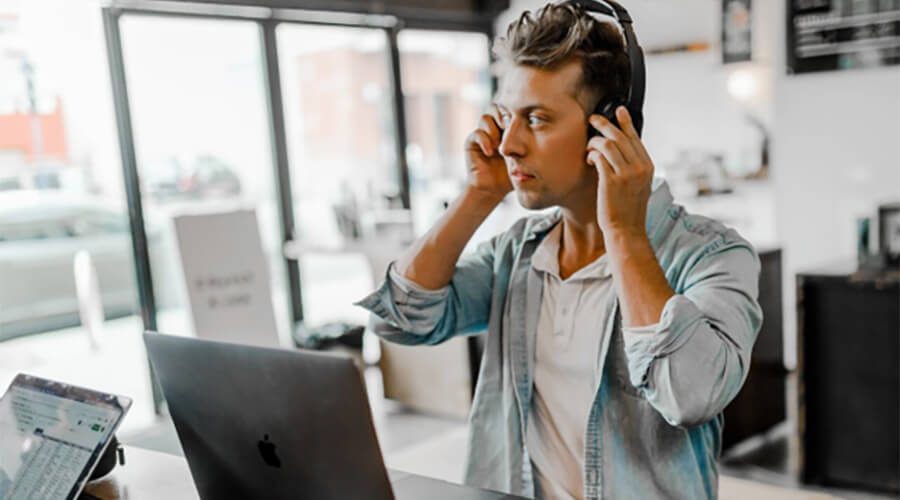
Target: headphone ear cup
x=609, y=112
x=606, y=109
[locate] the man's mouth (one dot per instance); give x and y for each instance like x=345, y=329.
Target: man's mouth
x=518, y=177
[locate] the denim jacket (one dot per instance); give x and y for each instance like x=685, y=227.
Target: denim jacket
x=655, y=426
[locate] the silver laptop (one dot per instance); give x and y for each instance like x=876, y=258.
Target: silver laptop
x=267, y=423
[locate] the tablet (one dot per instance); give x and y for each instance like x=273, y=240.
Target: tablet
x=52, y=436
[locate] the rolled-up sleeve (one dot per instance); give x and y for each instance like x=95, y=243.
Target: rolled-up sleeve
x=406, y=313
x=692, y=363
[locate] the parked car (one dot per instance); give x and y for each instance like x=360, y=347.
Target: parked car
x=190, y=178
x=40, y=233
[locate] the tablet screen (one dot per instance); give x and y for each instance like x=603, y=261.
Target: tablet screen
x=51, y=436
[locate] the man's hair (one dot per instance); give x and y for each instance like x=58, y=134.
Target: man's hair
x=556, y=34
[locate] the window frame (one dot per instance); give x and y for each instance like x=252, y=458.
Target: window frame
x=267, y=21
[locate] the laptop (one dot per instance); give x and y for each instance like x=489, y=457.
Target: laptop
x=257, y=422
x=51, y=437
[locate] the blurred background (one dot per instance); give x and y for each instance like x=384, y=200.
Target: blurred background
x=340, y=126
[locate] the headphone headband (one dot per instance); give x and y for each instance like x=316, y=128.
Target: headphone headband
x=635, y=98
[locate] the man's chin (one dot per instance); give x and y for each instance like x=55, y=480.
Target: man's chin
x=531, y=200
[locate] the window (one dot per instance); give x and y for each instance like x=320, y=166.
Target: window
x=341, y=149
x=446, y=88
x=201, y=133
x=202, y=142
x=61, y=193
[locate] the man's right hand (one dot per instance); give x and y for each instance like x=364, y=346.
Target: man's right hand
x=486, y=167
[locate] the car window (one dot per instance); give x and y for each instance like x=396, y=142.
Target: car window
x=93, y=223
x=41, y=230
x=204, y=174
x=221, y=173
x=10, y=183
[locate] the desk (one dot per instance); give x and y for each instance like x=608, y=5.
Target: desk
x=151, y=475
x=146, y=475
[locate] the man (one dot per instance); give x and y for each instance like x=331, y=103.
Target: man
x=618, y=326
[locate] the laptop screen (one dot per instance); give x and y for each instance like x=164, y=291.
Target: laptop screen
x=51, y=436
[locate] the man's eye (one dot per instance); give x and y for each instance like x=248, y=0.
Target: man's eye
x=535, y=120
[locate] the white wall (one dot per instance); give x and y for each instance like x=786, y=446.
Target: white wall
x=688, y=107
x=835, y=156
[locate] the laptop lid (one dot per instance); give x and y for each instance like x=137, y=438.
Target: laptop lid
x=51, y=437
x=257, y=422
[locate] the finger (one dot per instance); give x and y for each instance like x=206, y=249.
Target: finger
x=613, y=133
x=606, y=127
x=640, y=152
x=598, y=161
x=634, y=152
x=596, y=142
x=497, y=116
x=489, y=125
x=483, y=141
x=607, y=171
x=641, y=157
x=593, y=158
x=610, y=150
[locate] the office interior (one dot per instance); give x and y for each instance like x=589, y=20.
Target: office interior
x=330, y=135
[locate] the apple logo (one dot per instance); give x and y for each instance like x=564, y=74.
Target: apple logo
x=267, y=450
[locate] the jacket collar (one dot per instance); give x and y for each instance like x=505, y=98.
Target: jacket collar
x=657, y=210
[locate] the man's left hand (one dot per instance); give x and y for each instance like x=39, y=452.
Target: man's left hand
x=625, y=174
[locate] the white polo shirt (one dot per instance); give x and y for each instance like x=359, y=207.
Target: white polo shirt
x=568, y=368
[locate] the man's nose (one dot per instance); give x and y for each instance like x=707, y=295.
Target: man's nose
x=512, y=143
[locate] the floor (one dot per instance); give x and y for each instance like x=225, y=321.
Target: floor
x=765, y=459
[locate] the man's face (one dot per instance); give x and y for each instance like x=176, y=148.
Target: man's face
x=544, y=136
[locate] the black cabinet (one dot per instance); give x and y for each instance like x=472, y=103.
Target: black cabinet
x=849, y=379
x=761, y=403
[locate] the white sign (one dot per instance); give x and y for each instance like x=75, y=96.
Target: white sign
x=227, y=277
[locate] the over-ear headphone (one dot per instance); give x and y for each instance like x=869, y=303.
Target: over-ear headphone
x=634, y=101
